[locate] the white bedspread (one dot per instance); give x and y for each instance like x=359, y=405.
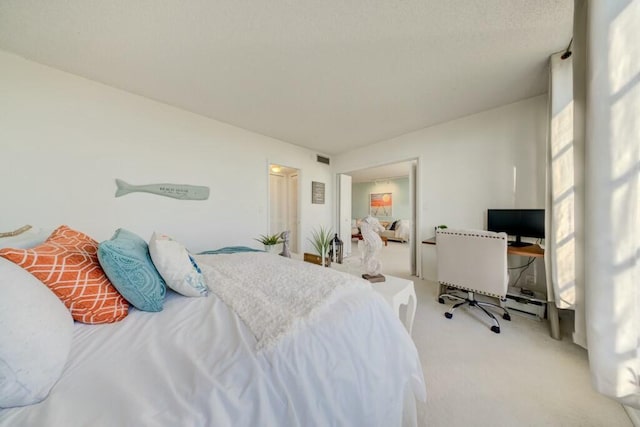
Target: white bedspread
x=195, y=364
x=273, y=295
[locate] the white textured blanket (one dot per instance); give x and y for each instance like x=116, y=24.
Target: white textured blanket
x=273, y=295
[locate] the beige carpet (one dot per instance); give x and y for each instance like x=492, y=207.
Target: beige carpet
x=520, y=377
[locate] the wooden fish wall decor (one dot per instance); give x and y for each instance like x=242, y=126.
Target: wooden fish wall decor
x=176, y=191
x=15, y=232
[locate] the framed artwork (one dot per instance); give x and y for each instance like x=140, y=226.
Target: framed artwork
x=380, y=204
x=317, y=192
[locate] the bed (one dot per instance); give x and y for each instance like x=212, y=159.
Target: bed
x=345, y=360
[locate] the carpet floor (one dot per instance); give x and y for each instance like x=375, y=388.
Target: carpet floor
x=520, y=377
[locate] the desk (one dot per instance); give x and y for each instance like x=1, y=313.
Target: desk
x=529, y=251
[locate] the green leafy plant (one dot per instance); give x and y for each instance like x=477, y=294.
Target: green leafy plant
x=269, y=239
x=321, y=239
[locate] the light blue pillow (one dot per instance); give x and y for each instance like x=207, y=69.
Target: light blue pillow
x=126, y=261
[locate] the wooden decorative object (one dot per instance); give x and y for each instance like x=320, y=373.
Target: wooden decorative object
x=15, y=232
x=317, y=192
x=175, y=191
x=315, y=259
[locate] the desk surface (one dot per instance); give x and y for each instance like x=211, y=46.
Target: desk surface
x=531, y=250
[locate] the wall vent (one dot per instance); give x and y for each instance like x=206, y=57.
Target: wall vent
x=323, y=159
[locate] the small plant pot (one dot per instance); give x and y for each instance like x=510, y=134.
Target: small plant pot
x=272, y=249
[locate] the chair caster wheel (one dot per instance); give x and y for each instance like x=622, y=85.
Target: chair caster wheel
x=506, y=316
x=441, y=300
x=448, y=315
x=495, y=329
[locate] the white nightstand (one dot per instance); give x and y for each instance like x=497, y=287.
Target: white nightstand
x=395, y=290
x=398, y=291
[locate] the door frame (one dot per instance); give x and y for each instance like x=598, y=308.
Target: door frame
x=339, y=196
x=414, y=203
x=298, y=196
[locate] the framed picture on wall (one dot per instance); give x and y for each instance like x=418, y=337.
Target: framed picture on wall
x=317, y=192
x=380, y=204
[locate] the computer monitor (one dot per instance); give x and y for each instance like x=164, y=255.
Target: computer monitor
x=517, y=223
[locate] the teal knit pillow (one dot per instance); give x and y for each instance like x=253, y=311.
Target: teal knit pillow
x=126, y=261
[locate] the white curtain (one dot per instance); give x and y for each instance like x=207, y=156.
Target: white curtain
x=560, y=239
x=593, y=233
x=612, y=202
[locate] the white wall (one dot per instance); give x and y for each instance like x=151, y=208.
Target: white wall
x=467, y=166
x=64, y=139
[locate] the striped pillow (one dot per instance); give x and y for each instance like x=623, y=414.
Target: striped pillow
x=67, y=262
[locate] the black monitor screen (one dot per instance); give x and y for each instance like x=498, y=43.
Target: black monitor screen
x=517, y=222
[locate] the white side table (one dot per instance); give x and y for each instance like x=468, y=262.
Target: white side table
x=397, y=291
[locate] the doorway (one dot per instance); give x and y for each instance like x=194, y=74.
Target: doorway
x=397, y=184
x=283, y=202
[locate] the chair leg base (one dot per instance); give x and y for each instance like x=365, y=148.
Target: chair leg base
x=471, y=301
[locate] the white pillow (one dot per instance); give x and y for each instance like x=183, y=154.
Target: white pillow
x=176, y=266
x=35, y=337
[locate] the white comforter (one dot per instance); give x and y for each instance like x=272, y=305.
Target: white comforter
x=195, y=364
x=273, y=295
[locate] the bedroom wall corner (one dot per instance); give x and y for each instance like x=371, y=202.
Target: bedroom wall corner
x=492, y=159
x=467, y=165
x=65, y=139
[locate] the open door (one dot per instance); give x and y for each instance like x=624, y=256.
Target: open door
x=344, y=212
x=283, y=203
x=376, y=176
x=413, y=239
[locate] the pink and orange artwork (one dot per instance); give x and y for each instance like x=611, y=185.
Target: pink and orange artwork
x=381, y=204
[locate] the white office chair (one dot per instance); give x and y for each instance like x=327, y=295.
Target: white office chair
x=474, y=261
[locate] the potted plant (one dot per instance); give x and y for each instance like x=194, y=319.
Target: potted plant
x=269, y=241
x=321, y=240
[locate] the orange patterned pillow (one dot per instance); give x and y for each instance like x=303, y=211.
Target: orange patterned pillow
x=67, y=262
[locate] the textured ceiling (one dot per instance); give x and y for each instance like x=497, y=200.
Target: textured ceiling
x=329, y=75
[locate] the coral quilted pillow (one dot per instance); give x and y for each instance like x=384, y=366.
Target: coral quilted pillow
x=67, y=263
x=126, y=260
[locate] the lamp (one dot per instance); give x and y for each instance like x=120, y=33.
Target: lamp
x=335, y=251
